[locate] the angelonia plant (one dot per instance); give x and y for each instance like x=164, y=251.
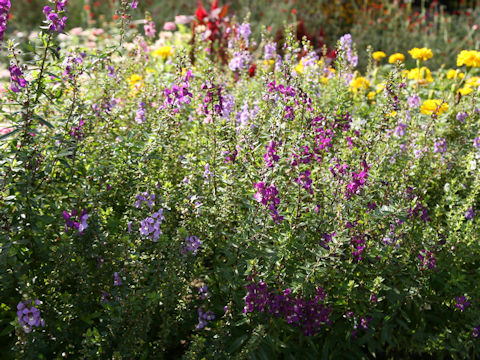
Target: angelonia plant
x=169, y=194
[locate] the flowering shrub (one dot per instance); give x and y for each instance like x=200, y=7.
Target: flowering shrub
x=265, y=203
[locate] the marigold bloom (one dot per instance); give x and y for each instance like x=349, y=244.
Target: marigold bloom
x=378, y=55
x=436, y=106
x=163, y=52
x=360, y=83
x=465, y=91
x=135, y=82
x=421, y=54
x=299, y=67
x=422, y=75
x=396, y=57
x=469, y=58
x=453, y=74
x=473, y=81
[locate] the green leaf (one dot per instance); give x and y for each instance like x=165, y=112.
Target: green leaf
x=43, y=121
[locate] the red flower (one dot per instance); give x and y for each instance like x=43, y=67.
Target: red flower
x=252, y=69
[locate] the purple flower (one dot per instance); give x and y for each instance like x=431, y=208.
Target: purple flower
x=307, y=314
x=16, y=78
x=177, y=96
x=192, y=244
x=440, y=146
x=150, y=226
x=29, y=315
x=140, y=115
x=470, y=213
x=245, y=115
x=4, y=9
x=244, y=30
x=203, y=317
x=117, y=281
x=111, y=72
x=305, y=181
x=204, y=293
x=83, y=222
x=400, y=130
x=267, y=195
x=461, y=303
x=270, y=49
x=345, y=46
x=461, y=116
x=427, y=260
x=240, y=61
x=55, y=22
x=207, y=174
x=476, y=332
x=72, y=221
x=414, y=101
x=476, y=143
x=134, y=4
x=76, y=131
x=271, y=155
x=145, y=197
x=61, y=4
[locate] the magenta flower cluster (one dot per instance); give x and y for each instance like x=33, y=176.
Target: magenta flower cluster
x=271, y=155
x=77, y=131
x=427, y=260
x=356, y=181
x=310, y=315
x=75, y=220
x=4, y=9
x=16, y=78
x=56, y=22
x=461, y=303
x=305, y=181
x=28, y=315
x=267, y=195
x=177, y=96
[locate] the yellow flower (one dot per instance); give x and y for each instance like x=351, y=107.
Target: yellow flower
x=469, y=58
x=380, y=87
x=465, y=91
x=453, y=74
x=422, y=75
x=135, y=81
x=378, y=55
x=396, y=57
x=436, y=106
x=392, y=114
x=268, y=62
x=163, y=52
x=359, y=83
x=421, y=54
x=299, y=67
x=473, y=81
x=371, y=95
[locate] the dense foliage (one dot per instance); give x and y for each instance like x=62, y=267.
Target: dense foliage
x=177, y=196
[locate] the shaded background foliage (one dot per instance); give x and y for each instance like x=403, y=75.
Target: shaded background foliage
x=445, y=26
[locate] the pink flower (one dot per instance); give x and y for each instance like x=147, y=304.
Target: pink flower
x=169, y=26
x=6, y=130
